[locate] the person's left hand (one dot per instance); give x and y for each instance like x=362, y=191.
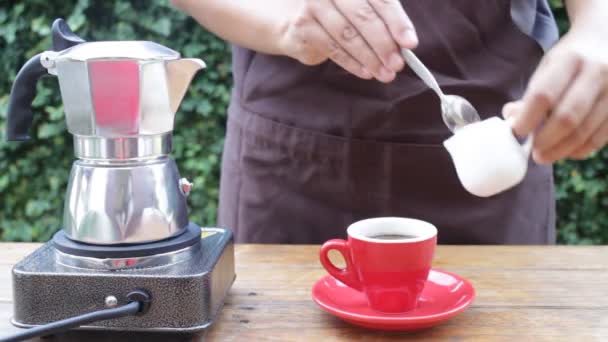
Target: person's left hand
x=566, y=102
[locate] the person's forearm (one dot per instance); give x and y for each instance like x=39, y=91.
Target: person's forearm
x=582, y=12
x=257, y=25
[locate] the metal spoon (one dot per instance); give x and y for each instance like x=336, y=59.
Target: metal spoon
x=456, y=111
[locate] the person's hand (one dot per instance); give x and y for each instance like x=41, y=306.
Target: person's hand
x=362, y=36
x=566, y=102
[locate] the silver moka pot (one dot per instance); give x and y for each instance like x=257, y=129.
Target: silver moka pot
x=120, y=99
x=126, y=236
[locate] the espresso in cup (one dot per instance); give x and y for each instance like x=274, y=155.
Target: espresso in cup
x=393, y=237
x=387, y=258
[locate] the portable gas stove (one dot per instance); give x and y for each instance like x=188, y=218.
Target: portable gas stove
x=127, y=255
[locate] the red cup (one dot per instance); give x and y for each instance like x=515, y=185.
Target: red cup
x=387, y=258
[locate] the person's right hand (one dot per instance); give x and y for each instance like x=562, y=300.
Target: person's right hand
x=364, y=37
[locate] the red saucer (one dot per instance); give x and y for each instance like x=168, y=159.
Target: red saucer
x=444, y=296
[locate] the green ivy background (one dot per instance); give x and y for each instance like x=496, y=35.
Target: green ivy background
x=33, y=174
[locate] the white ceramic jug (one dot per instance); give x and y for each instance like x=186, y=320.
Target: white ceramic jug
x=488, y=157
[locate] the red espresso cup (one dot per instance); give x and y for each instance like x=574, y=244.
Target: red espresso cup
x=387, y=258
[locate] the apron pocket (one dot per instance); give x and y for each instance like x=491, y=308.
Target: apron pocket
x=299, y=186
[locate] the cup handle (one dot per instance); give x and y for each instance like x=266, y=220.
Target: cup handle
x=347, y=275
x=527, y=146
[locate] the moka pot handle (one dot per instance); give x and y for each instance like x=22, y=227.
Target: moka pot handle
x=23, y=91
x=19, y=117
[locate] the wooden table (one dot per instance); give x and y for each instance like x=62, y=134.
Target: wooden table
x=557, y=293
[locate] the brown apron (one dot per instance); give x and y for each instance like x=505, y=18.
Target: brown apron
x=311, y=149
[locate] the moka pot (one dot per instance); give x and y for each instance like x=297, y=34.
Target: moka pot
x=120, y=100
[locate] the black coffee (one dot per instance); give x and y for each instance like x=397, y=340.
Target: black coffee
x=393, y=236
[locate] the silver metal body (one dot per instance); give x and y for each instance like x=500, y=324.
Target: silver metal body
x=120, y=100
x=456, y=111
x=126, y=149
x=122, y=88
x=135, y=202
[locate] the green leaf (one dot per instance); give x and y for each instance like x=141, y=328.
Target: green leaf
x=41, y=26
x=47, y=130
x=76, y=20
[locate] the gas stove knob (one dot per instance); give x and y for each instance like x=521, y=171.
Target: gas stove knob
x=185, y=186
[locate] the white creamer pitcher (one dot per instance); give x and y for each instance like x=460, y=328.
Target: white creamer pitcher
x=488, y=157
